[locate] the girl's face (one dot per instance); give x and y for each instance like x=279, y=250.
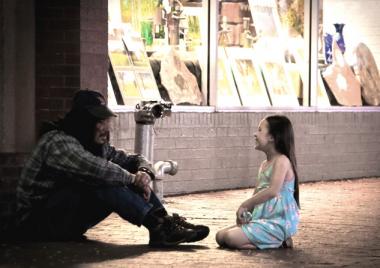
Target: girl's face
x=102, y=130
x=262, y=137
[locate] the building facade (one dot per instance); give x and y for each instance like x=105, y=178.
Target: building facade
x=50, y=49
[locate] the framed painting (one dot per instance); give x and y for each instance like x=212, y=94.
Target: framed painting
x=148, y=86
x=111, y=93
x=227, y=95
x=144, y=78
x=124, y=73
x=194, y=33
x=279, y=84
x=295, y=78
x=136, y=51
x=248, y=77
x=265, y=18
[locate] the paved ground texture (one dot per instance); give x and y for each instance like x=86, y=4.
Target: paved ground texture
x=340, y=227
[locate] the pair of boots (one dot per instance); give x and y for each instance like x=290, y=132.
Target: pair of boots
x=166, y=231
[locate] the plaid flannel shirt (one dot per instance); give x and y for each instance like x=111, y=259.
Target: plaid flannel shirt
x=60, y=160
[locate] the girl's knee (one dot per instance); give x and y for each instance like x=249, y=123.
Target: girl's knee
x=230, y=239
x=219, y=237
x=236, y=239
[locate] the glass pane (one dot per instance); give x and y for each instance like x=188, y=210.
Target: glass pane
x=350, y=52
x=158, y=50
x=260, y=53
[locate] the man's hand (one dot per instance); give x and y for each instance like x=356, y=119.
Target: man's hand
x=147, y=192
x=142, y=181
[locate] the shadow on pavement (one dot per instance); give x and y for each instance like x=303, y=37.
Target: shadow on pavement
x=288, y=256
x=42, y=254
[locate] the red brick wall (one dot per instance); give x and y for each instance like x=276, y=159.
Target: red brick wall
x=93, y=44
x=71, y=52
x=57, y=56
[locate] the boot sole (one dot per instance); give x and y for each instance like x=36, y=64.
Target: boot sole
x=167, y=244
x=199, y=237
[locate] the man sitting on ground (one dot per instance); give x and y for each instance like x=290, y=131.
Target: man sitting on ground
x=74, y=179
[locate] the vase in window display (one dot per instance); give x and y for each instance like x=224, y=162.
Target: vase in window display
x=328, y=48
x=339, y=36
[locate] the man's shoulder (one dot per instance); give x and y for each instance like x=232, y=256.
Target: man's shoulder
x=54, y=136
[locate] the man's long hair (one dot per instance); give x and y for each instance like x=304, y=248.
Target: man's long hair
x=80, y=124
x=281, y=129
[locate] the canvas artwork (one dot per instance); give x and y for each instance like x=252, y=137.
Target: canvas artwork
x=279, y=85
x=124, y=73
x=148, y=85
x=194, y=33
x=295, y=78
x=247, y=74
x=111, y=94
x=265, y=17
x=144, y=77
x=181, y=84
x=342, y=81
x=227, y=95
x=136, y=50
x=366, y=71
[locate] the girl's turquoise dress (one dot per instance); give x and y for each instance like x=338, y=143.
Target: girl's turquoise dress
x=276, y=219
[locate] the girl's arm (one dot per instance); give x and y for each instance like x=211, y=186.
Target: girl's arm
x=280, y=169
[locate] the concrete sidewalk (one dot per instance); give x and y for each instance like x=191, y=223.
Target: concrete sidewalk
x=340, y=226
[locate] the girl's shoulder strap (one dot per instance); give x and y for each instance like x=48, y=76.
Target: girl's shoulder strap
x=265, y=166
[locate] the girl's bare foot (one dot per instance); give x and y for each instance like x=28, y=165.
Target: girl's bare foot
x=288, y=243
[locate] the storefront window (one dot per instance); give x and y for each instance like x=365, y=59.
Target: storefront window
x=349, y=51
x=260, y=53
x=244, y=53
x=158, y=50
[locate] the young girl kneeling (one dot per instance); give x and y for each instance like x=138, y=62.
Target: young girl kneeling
x=270, y=217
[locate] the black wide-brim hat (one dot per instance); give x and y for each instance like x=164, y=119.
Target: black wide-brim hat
x=100, y=111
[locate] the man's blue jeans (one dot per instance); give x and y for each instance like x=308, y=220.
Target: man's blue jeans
x=70, y=212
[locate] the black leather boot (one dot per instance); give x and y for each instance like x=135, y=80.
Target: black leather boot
x=201, y=231
x=164, y=231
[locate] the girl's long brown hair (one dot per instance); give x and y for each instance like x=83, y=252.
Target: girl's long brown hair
x=281, y=129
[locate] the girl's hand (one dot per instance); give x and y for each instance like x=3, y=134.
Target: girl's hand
x=240, y=215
